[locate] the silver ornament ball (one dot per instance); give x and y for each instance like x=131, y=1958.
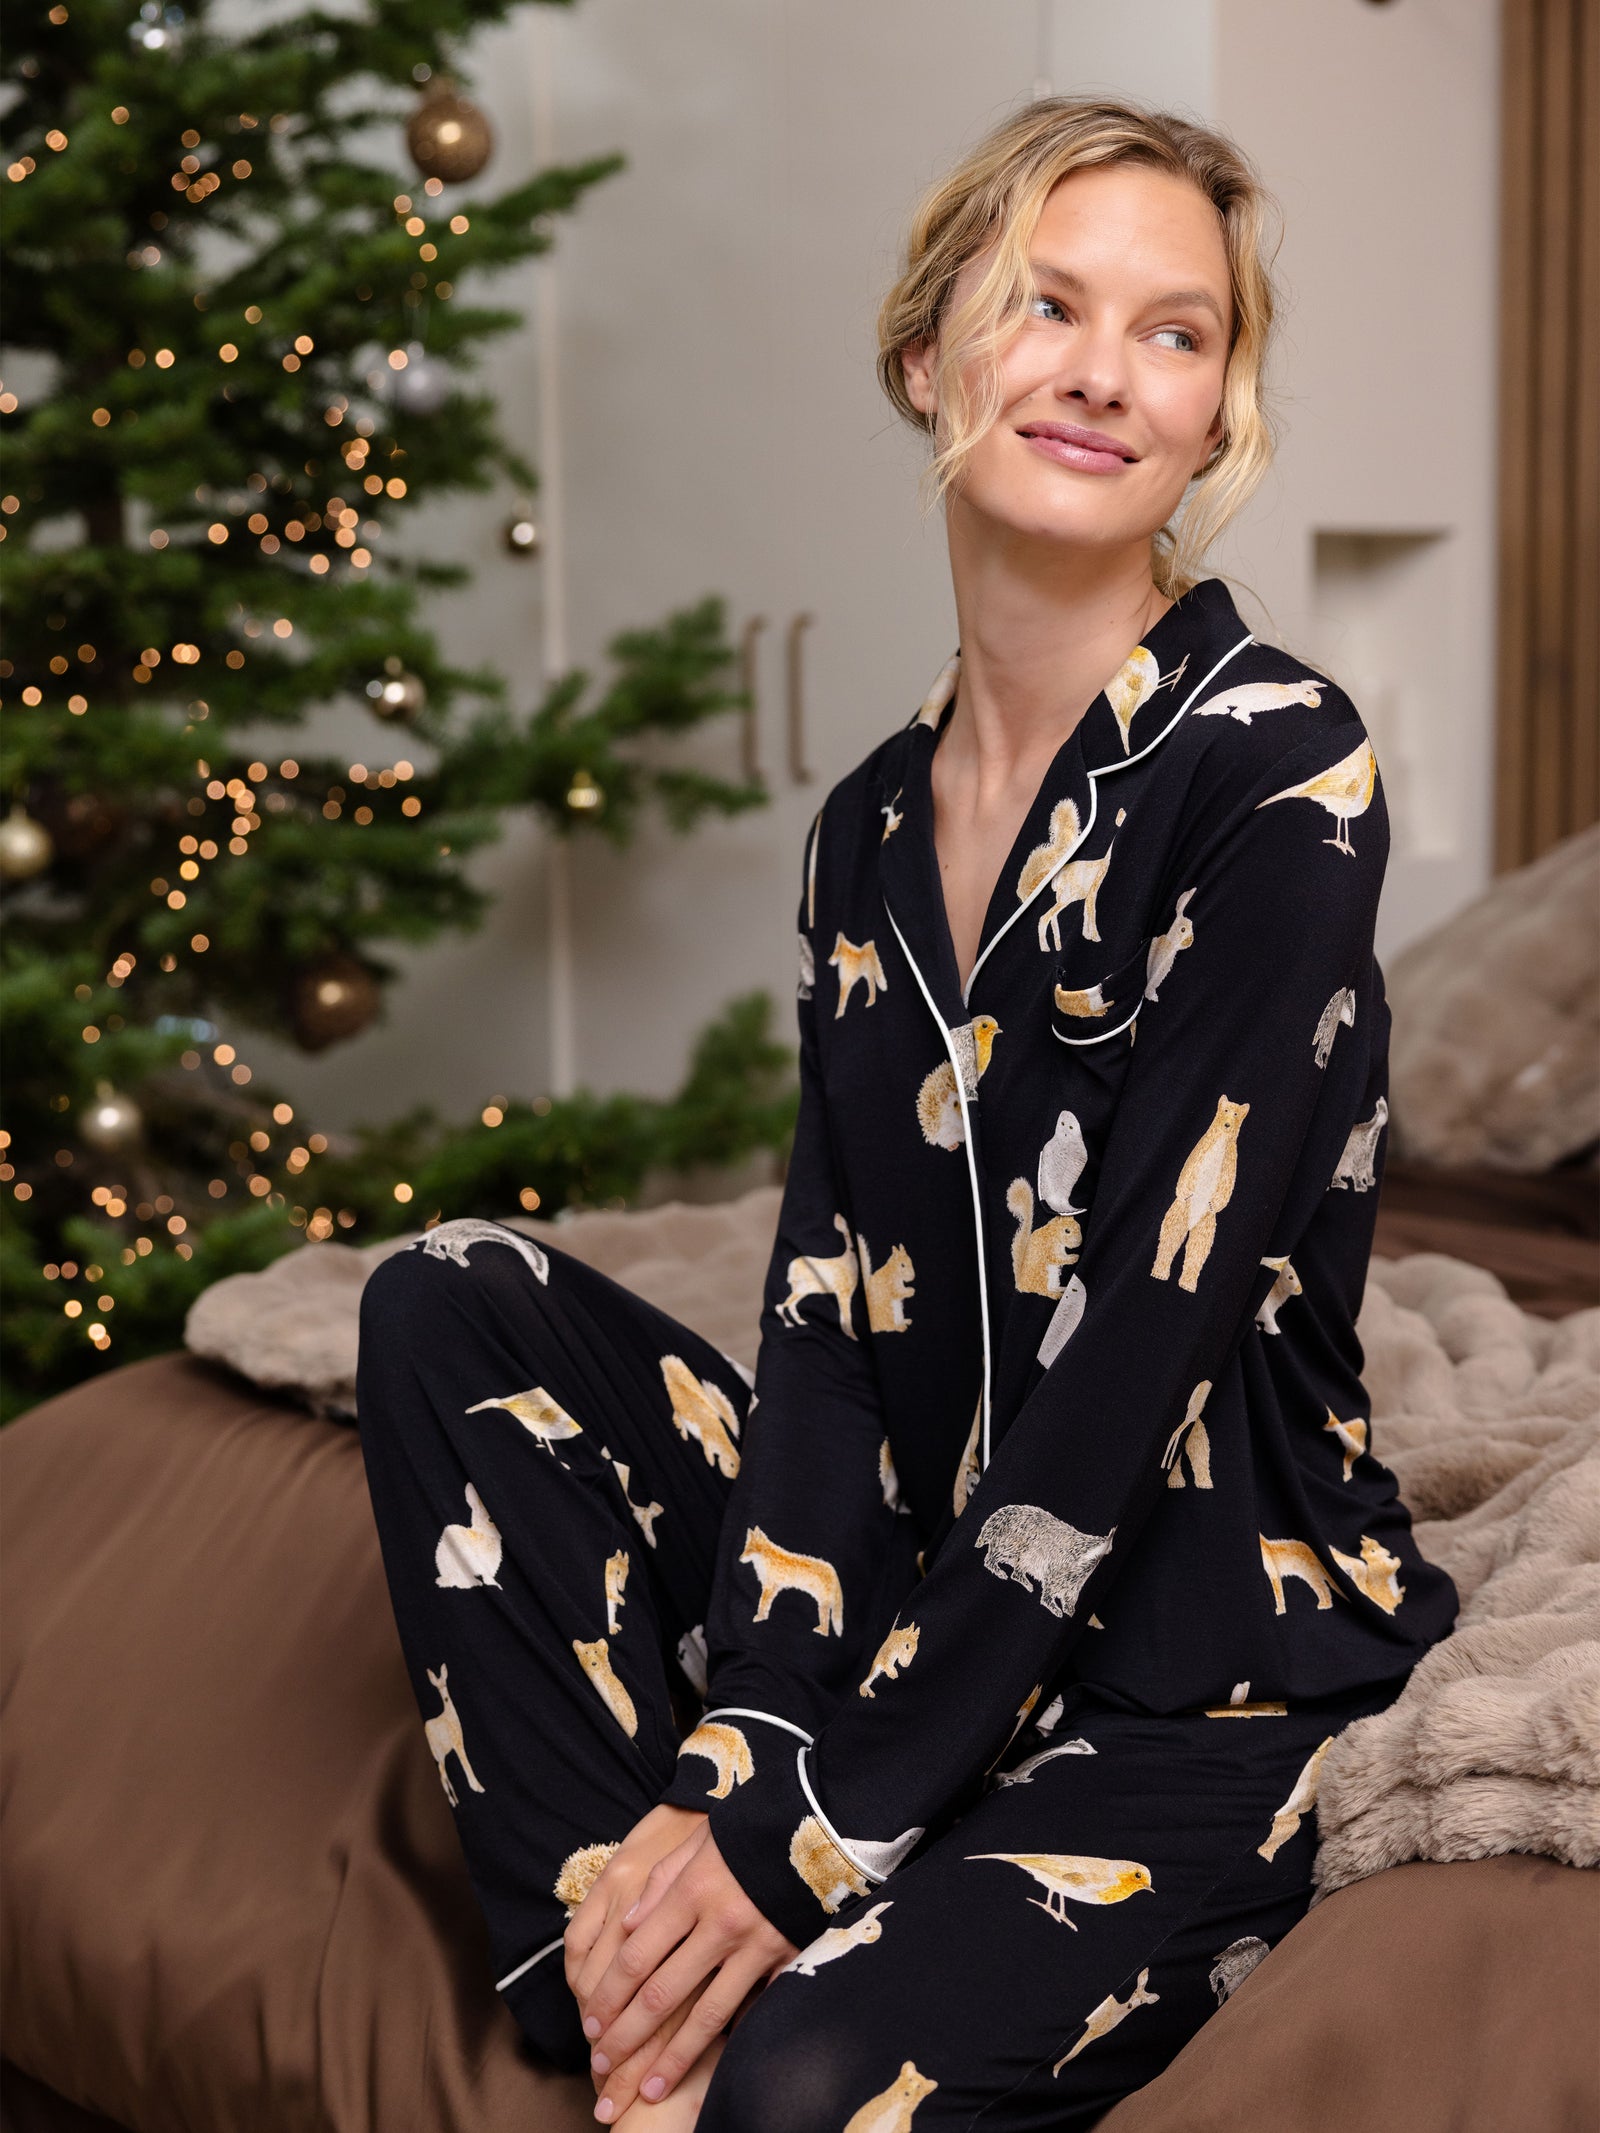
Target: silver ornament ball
x=112, y=1122
x=25, y=846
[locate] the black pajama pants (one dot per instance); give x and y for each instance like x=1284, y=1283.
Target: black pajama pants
x=1039, y=1955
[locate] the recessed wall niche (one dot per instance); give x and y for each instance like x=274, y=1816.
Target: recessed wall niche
x=1382, y=626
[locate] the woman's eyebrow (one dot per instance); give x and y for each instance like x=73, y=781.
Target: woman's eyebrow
x=1068, y=280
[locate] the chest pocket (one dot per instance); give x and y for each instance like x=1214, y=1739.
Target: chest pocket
x=1093, y=1016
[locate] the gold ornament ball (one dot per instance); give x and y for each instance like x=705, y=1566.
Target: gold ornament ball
x=583, y=794
x=25, y=846
x=448, y=136
x=112, y=1122
x=399, y=695
x=335, y=998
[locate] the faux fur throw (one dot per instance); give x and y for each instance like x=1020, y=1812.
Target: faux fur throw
x=1489, y=1416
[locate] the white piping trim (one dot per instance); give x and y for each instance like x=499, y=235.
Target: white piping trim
x=739, y=1710
x=1099, y=1036
x=833, y=1835
x=511, y=1976
x=1094, y=796
x=972, y=1167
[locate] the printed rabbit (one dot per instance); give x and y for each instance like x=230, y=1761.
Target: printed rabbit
x=469, y=1555
x=834, y=1941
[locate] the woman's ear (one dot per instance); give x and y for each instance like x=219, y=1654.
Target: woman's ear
x=1216, y=436
x=916, y=361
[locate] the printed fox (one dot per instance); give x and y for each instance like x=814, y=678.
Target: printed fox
x=857, y=966
x=780, y=1569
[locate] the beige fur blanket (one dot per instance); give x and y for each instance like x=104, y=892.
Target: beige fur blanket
x=1489, y=1416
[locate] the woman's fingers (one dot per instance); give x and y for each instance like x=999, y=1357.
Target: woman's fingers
x=640, y=1953
x=634, y=2068
x=651, y=1992
x=723, y=1998
x=654, y=2065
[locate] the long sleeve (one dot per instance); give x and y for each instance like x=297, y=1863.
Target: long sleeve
x=1238, y=1097
x=810, y=1538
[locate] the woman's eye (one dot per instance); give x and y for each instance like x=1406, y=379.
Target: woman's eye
x=1052, y=301
x=1183, y=334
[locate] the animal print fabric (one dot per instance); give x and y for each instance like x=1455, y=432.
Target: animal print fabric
x=550, y=1548
x=1068, y=1266
x=1057, y=1400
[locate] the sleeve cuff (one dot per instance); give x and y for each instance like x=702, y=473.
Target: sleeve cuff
x=781, y=1851
x=723, y=1750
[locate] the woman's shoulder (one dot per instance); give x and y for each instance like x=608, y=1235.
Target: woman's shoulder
x=1270, y=710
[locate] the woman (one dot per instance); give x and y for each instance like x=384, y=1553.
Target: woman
x=1050, y=1550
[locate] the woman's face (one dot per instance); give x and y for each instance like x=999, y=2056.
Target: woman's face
x=1126, y=338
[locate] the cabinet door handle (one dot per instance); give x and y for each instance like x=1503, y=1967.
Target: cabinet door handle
x=796, y=691
x=749, y=718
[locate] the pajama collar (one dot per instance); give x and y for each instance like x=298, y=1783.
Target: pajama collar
x=1135, y=711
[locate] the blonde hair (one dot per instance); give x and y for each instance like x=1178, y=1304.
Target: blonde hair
x=996, y=194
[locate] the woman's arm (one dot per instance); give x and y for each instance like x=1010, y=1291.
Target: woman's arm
x=807, y=1536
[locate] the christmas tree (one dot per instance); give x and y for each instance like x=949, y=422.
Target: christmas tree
x=243, y=360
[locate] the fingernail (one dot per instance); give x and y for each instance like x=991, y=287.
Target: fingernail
x=604, y=2108
x=591, y=2025
x=600, y=2063
x=654, y=2087
x=628, y=1913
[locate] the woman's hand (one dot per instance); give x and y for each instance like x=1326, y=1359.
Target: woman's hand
x=595, y=1930
x=694, y=1932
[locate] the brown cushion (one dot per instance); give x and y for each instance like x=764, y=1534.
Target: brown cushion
x=234, y=1890
x=1426, y=1999
x=234, y=1893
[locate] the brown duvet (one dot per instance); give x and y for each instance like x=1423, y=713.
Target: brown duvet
x=234, y=1896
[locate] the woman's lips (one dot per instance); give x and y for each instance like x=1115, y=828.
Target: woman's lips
x=1089, y=459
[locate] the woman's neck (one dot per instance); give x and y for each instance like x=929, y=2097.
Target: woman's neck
x=1039, y=639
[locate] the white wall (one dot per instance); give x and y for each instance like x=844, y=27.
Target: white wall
x=723, y=431
x=1377, y=128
